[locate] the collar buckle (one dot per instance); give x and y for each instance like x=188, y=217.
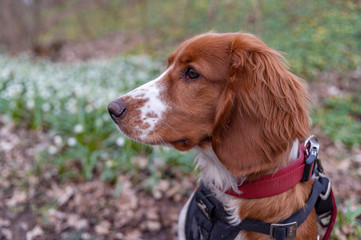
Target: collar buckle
x=291, y=229
x=312, y=157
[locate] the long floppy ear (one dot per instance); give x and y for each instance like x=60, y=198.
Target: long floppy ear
x=262, y=109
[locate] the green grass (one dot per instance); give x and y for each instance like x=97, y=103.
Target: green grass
x=348, y=223
x=315, y=35
x=340, y=119
x=69, y=102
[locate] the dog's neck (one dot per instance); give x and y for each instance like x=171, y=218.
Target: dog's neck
x=219, y=179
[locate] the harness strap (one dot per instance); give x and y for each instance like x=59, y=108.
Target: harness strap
x=286, y=229
x=207, y=220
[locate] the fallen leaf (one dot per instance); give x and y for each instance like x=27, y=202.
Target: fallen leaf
x=153, y=226
x=66, y=196
x=4, y=222
x=103, y=227
x=6, y=234
x=133, y=235
x=76, y=222
x=17, y=198
x=36, y=232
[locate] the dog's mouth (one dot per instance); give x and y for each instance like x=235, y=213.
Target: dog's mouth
x=186, y=143
x=182, y=144
x=176, y=143
x=180, y=141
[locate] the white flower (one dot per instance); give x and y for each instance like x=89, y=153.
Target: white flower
x=71, y=141
x=109, y=163
x=71, y=105
x=89, y=108
x=45, y=107
x=58, y=140
x=52, y=149
x=30, y=104
x=106, y=117
x=120, y=141
x=78, y=128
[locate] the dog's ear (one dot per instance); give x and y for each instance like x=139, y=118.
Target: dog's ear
x=262, y=109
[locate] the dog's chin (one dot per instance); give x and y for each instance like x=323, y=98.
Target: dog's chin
x=186, y=144
x=182, y=144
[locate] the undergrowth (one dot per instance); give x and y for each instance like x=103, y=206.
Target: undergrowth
x=316, y=35
x=69, y=103
x=340, y=119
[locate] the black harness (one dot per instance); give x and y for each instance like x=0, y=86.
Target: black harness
x=207, y=219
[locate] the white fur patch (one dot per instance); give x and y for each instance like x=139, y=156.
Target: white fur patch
x=218, y=179
x=153, y=109
x=294, y=150
x=213, y=171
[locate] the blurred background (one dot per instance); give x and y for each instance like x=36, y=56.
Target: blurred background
x=65, y=170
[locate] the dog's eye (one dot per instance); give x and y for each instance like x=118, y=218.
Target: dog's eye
x=191, y=74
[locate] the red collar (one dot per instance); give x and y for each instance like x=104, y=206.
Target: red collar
x=276, y=183
x=300, y=170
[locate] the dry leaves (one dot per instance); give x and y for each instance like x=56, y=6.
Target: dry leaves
x=42, y=207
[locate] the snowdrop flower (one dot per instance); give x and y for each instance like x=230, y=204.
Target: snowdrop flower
x=120, y=141
x=45, y=107
x=62, y=86
x=30, y=104
x=78, y=128
x=71, y=106
x=89, y=108
x=30, y=92
x=52, y=150
x=106, y=117
x=58, y=140
x=109, y=163
x=71, y=141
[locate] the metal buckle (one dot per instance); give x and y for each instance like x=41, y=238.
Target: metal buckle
x=313, y=144
x=324, y=219
x=327, y=193
x=291, y=229
x=312, y=157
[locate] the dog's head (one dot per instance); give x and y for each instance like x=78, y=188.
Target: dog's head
x=229, y=91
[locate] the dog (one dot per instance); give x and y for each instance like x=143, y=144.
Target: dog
x=233, y=100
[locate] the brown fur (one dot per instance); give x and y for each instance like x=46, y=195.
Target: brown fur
x=263, y=109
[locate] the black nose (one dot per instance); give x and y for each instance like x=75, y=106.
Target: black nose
x=116, y=110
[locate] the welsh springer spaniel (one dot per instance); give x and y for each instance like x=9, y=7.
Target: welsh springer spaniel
x=232, y=99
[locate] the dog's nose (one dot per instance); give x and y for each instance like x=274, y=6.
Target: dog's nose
x=116, y=110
